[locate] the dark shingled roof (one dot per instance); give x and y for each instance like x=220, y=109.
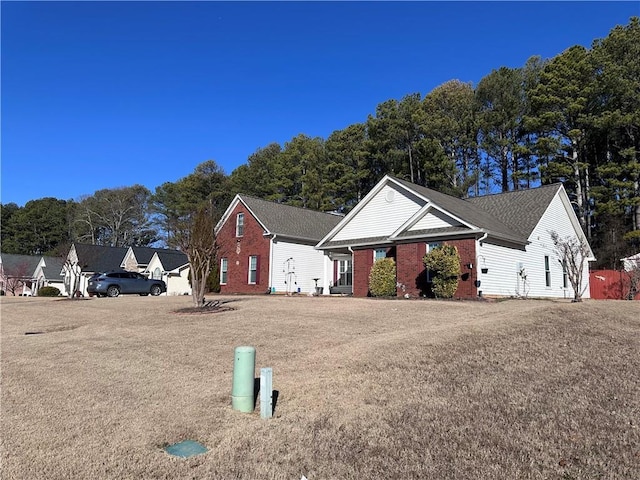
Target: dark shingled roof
x=172, y=259
x=145, y=254
x=53, y=268
x=98, y=258
x=520, y=210
x=468, y=212
x=19, y=266
x=293, y=222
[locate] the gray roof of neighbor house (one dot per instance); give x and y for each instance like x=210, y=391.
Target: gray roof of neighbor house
x=520, y=210
x=172, y=259
x=53, y=268
x=19, y=266
x=144, y=254
x=99, y=258
x=292, y=222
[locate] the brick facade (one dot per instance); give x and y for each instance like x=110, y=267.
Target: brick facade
x=362, y=262
x=410, y=271
x=468, y=276
x=237, y=251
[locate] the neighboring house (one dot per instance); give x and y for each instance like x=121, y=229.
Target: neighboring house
x=137, y=258
x=172, y=266
x=504, y=240
x=17, y=274
x=84, y=260
x=269, y=247
x=49, y=273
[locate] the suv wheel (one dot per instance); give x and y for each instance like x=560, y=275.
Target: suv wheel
x=155, y=290
x=113, y=291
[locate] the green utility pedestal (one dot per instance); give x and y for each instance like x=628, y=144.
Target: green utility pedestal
x=242, y=392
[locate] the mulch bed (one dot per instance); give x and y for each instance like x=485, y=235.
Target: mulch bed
x=208, y=307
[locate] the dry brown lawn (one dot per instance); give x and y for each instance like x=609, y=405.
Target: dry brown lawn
x=368, y=389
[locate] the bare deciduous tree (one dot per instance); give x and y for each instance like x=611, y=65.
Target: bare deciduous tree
x=572, y=252
x=17, y=278
x=196, y=238
x=632, y=267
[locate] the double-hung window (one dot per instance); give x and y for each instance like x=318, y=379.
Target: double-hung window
x=240, y=225
x=253, y=270
x=547, y=271
x=224, y=268
x=429, y=248
x=345, y=273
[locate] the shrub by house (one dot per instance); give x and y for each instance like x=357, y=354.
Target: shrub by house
x=444, y=265
x=382, y=279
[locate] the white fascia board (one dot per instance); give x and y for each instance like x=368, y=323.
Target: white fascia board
x=146, y=269
x=423, y=211
x=126, y=256
x=456, y=218
x=465, y=233
x=227, y=213
x=575, y=223
x=264, y=227
x=412, y=220
x=361, y=204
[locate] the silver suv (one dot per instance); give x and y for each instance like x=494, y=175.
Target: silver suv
x=113, y=283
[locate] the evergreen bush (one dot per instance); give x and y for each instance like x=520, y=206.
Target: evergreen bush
x=444, y=264
x=48, y=292
x=382, y=278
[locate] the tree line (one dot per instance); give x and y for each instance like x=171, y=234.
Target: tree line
x=574, y=118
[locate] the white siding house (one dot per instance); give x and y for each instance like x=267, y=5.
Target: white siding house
x=504, y=240
x=49, y=274
x=382, y=212
x=172, y=267
x=536, y=270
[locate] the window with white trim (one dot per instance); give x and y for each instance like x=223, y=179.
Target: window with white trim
x=344, y=273
x=253, y=269
x=224, y=267
x=432, y=246
x=240, y=225
x=547, y=271
x=379, y=253
x=565, y=275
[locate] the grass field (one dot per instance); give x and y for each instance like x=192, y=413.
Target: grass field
x=368, y=389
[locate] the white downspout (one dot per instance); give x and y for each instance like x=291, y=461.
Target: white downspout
x=352, y=268
x=271, y=279
x=478, y=267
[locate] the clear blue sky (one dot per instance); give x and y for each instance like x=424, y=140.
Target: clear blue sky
x=108, y=94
